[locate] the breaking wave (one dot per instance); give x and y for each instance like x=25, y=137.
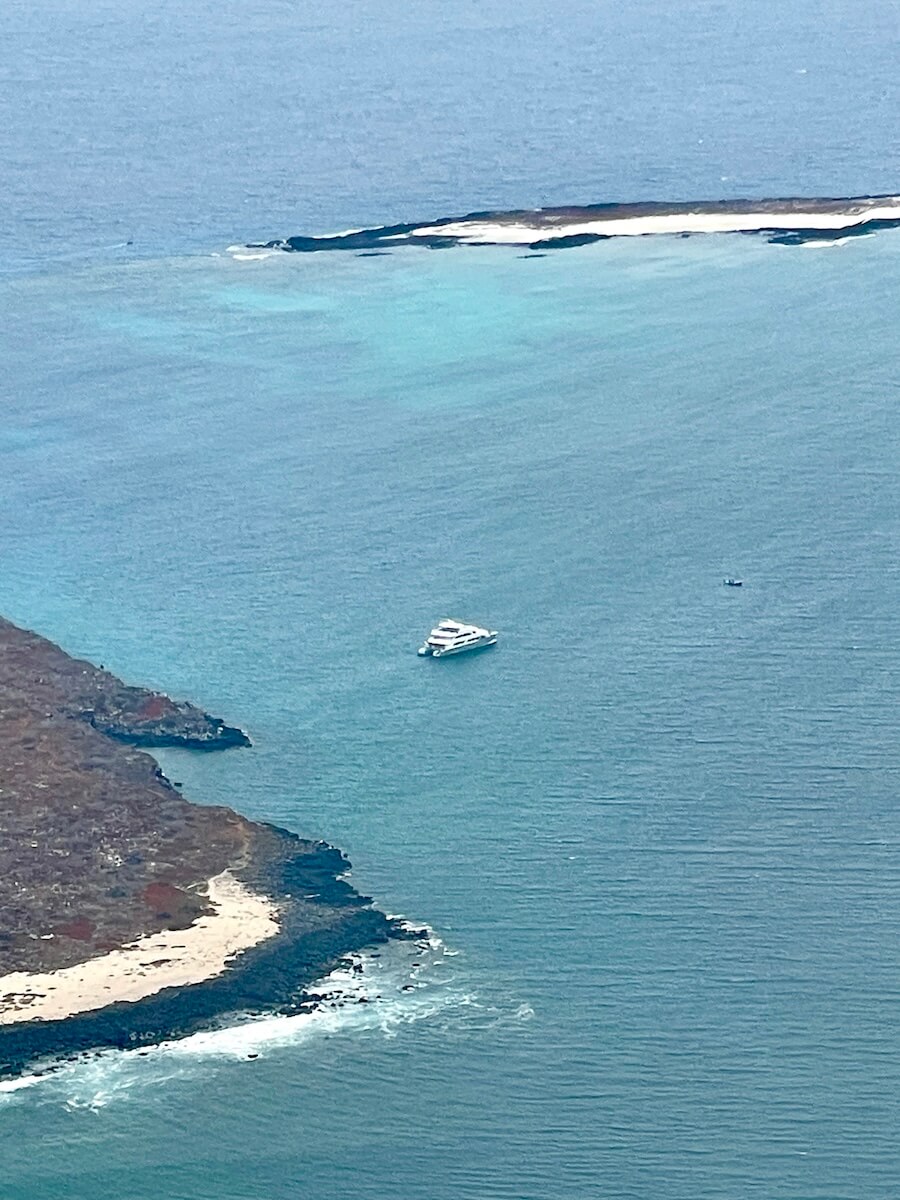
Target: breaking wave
x=375, y=993
x=786, y=221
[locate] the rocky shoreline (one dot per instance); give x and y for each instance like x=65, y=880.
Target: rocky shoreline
x=98, y=849
x=788, y=221
x=271, y=978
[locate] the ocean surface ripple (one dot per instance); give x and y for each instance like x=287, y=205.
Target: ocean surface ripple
x=657, y=823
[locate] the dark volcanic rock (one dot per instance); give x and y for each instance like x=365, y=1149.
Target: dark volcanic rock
x=32, y=667
x=272, y=977
x=787, y=216
x=98, y=849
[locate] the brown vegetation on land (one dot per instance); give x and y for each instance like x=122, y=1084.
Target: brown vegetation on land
x=96, y=846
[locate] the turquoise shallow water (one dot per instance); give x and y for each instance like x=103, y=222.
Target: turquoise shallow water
x=657, y=825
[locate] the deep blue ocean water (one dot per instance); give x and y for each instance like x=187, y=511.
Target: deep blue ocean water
x=656, y=829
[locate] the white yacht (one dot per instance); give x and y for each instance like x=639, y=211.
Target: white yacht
x=453, y=637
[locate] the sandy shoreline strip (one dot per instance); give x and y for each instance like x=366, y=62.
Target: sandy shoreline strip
x=172, y=958
x=735, y=221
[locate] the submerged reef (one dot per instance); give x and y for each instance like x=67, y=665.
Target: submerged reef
x=100, y=855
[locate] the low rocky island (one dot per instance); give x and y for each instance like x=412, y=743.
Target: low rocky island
x=790, y=221
x=129, y=915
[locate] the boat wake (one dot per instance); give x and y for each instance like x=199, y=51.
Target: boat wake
x=786, y=221
x=371, y=994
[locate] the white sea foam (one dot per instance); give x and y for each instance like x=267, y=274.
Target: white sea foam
x=828, y=243
x=371, y=994
x=245, y=254
x=258, y=253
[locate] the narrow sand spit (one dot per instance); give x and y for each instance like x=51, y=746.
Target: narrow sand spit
x=172, y=958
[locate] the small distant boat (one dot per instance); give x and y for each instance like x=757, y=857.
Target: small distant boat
x=454, y=637
x=732, y=582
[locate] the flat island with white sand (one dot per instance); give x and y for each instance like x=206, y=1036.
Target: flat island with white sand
x=791, y=221
x=129, y=915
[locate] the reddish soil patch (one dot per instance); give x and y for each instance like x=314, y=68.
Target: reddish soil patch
x=81, y=929
x=88, y=825
x=166, y=896
x=153, y=708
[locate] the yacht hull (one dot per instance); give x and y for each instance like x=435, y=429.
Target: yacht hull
x=481, y=644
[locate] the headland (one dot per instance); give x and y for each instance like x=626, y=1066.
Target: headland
x=129, y=915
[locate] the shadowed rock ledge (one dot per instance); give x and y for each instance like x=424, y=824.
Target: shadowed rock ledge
x=35, y=668
x=98, y=850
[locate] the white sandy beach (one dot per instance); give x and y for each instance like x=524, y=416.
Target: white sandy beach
x=735, y=221
x=172, y=958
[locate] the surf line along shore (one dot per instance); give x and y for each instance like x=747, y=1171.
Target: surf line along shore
x=128, y=915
